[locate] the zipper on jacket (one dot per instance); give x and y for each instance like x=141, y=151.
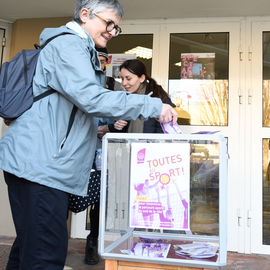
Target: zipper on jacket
x=70, y=123
x=62, y=144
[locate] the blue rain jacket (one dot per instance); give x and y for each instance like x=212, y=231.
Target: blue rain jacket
x=31, y=147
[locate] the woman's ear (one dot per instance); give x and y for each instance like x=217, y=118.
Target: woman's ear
x=84, y=14
x=142, y=78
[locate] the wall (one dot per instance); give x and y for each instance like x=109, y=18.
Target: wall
x=6, y=224
x=26, y=32
x=20, y=35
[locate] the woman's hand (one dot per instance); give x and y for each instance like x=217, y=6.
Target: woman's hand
x=120, y=124
x=167, y=114
x=102, y=130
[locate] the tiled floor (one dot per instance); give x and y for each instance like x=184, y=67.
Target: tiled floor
x=76, y=255
x=74, y=259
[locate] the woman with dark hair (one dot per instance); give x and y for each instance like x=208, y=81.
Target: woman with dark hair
x=135, y=80
x=136, y=67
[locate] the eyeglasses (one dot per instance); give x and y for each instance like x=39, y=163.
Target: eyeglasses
x=110, y=25
x=103, y=61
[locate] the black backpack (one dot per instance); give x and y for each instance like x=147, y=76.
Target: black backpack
x=16, y=83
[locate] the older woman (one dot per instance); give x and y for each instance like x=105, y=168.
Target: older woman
x=42, y=160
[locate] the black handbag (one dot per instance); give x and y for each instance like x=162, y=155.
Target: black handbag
x=77, y=204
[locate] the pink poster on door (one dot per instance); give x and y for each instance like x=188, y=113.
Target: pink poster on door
x=159, y=186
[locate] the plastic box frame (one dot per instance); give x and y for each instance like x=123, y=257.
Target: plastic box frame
x=107, y=253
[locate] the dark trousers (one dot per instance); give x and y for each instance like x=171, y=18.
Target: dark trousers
x=40, y=219
x=94, y=220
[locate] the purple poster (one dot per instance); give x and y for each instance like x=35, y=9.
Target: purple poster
x=159, y=186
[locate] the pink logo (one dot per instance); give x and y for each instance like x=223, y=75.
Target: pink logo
x=141, y=156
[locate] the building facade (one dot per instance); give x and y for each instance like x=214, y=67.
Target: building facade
x=217, y=72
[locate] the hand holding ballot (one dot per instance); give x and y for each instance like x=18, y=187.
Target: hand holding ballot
x=167, y=114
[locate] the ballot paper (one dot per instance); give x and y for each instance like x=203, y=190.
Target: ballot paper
x=196, y=250
x=151, y=248
x=170, y=128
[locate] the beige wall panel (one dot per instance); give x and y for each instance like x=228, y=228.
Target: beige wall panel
x=26, y=32
x=6, y=222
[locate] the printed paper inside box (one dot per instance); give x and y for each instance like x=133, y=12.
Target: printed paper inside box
x=160, y=186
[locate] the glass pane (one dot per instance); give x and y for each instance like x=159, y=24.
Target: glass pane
x=204, y=188
x=266, y=191
x=204, y=192
x=124, y=43
x=158, y=201
x=266, y=79
x=198, y=77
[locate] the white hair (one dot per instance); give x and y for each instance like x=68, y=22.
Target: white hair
x=97, y=6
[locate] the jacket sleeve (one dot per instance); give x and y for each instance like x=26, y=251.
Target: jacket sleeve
x=71, y=67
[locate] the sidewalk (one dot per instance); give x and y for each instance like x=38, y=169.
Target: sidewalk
x=75, y=258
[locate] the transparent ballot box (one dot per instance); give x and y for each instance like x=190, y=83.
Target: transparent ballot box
x=163, y=199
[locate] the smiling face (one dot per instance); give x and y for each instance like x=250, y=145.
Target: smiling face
x=96, y=26
x=130, y=81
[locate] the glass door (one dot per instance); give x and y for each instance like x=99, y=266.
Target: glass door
x=259, y=94
x=201, y=65
x=201, y=71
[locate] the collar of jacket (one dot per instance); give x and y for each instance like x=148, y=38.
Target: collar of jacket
x=78, y=29
x=84, y=35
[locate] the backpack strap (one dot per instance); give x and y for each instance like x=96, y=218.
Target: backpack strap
x=51, y=91
x=38, y=47
x=50, y=39
x=45, y=94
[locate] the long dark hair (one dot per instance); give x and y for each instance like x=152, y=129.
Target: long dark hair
x=138, y=68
